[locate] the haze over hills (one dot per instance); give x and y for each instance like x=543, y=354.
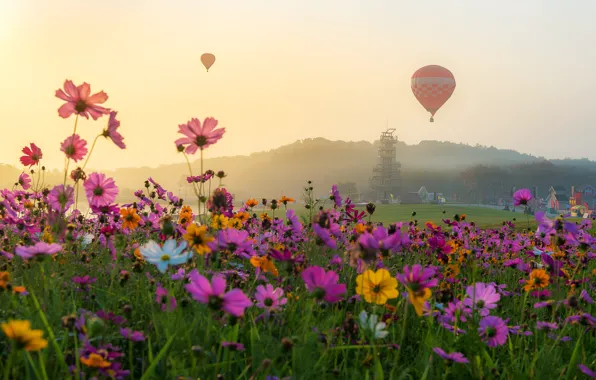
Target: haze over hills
x=437, y=165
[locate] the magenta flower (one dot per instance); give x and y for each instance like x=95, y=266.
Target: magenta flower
x=74, y=147
x=335, y=196
x=134, y=336
x=417, y=278
x=482, y=298
x=79, y=102
x=199, y=136
x=25, y=181
x=61, y=197
x=167, y=302
x=522, y=197
x=587, y=371
x=269, y=298
x=323, y=284
x=84, y=281
x=213, y=294
x=233, y=346
x=493, y=331
x=100, y=190
x=41, y=248
x=32, y=155
x=456, y=357
x=112, y=131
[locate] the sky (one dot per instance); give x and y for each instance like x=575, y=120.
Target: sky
x=295, y=69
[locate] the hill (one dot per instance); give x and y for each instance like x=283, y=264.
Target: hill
x=284, y=170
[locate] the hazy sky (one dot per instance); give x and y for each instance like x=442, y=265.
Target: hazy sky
x=293, y=69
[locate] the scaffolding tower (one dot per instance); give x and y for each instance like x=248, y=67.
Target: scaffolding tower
x=385, y=180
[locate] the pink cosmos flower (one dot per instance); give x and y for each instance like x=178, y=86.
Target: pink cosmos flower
x=112, y=131
x=134, y=336
x=482, y=298
x=456, y=357
x=41, y=248
x=213, y=294
x=61, y=198
x=493, y=331
x=32, y=155
x=269, y=298
x=167, y=302
x=25, y=181
x=522, y=197
x=323, y=284
x=100, y=190
x=199, y=136
x=74, y=147
x=79, y=102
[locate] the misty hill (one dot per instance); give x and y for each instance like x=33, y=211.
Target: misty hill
x=285, y=170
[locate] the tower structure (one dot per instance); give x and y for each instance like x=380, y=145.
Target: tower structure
x=385, y=180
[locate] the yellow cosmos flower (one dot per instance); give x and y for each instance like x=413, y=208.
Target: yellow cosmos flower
x=418, y=299
x=377, y=287
x=21, y=333
x=538, y=279
x=95, y=361
x=235, y=223
x=4, y=279
x=130, y=219
x=197, y=238
x=265, y=263
x=219, y=222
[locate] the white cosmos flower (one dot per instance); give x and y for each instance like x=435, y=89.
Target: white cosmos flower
x=169, y=254
x=373, y=325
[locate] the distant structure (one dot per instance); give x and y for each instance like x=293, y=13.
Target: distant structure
x=385, y=180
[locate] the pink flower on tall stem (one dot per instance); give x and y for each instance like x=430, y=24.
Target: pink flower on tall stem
x=481, y=298
x=214, y=294
x=522, y=197
x=269, y=298
x=100, y=190
x=112, y=131
x=80, y=101
x=32, y=155
x=74, y=147
x=493, y=330
x=323, y=284
x=25, y=181
x=199, y=136
x=41, y=248
x=61, y=197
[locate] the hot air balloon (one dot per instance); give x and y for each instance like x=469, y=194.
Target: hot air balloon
x=432, y=86
x=208, y=60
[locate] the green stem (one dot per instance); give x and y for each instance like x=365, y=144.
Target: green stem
x=68, y=159
x=8, y=367
x=91, y=151
x=130, y=359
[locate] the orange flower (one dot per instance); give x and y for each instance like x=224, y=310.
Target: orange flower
x=538, y=279
x=21, y=333
x=4, y=279
x=95, y=361
x=265, y=263
x=264, y=216
x=360, y=228
x=251, y=203
x=285, y=200
x=243, y=216
x=130, y=219
x=18, y=289
x=186, y=216
x=139, y=256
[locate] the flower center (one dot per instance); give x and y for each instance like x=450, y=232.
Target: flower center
x=268, y=302
x=70, y=150
x=480, y=304
x=319, y=293
x=62, y=199
x=215, y=302
x=98, y=191
x=377, y=289
x=165, y=258
x=201, y=140
x=491, y=332
x=80, y=106
x=197, y=240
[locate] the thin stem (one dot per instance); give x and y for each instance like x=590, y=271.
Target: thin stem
x=91, y=151
x=8, y=367
x=68, y=159
x=194, y=185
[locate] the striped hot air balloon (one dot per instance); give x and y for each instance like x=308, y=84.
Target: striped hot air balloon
x=433, y=85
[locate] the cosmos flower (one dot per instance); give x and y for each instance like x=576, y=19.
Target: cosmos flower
x=214, y=294
x=198, y=239
x=112, y=133
x=130, y=218
x=538, y=279
x=481, y=298
x=418, y=280
x=199, y=136
x=74, y=147
x=100, y=190
x=20, y=332
x=41, y=248
x=323, y=284
x=377, y=287
x=456, y=357
x=371, y=324
x=169, y=254
x=79, y=101
x=32, y=155
x=24, y=181
x=522, y=197
x=61, y=197
x=134, y=336
x=493, y=331
x=269, y=298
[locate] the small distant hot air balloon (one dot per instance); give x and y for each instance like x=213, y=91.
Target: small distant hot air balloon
x=432, y=86
x=208, y=60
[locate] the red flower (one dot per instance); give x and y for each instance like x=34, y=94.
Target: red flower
x=32, y=155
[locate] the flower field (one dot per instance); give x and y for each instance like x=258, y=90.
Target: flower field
x=153, y=290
